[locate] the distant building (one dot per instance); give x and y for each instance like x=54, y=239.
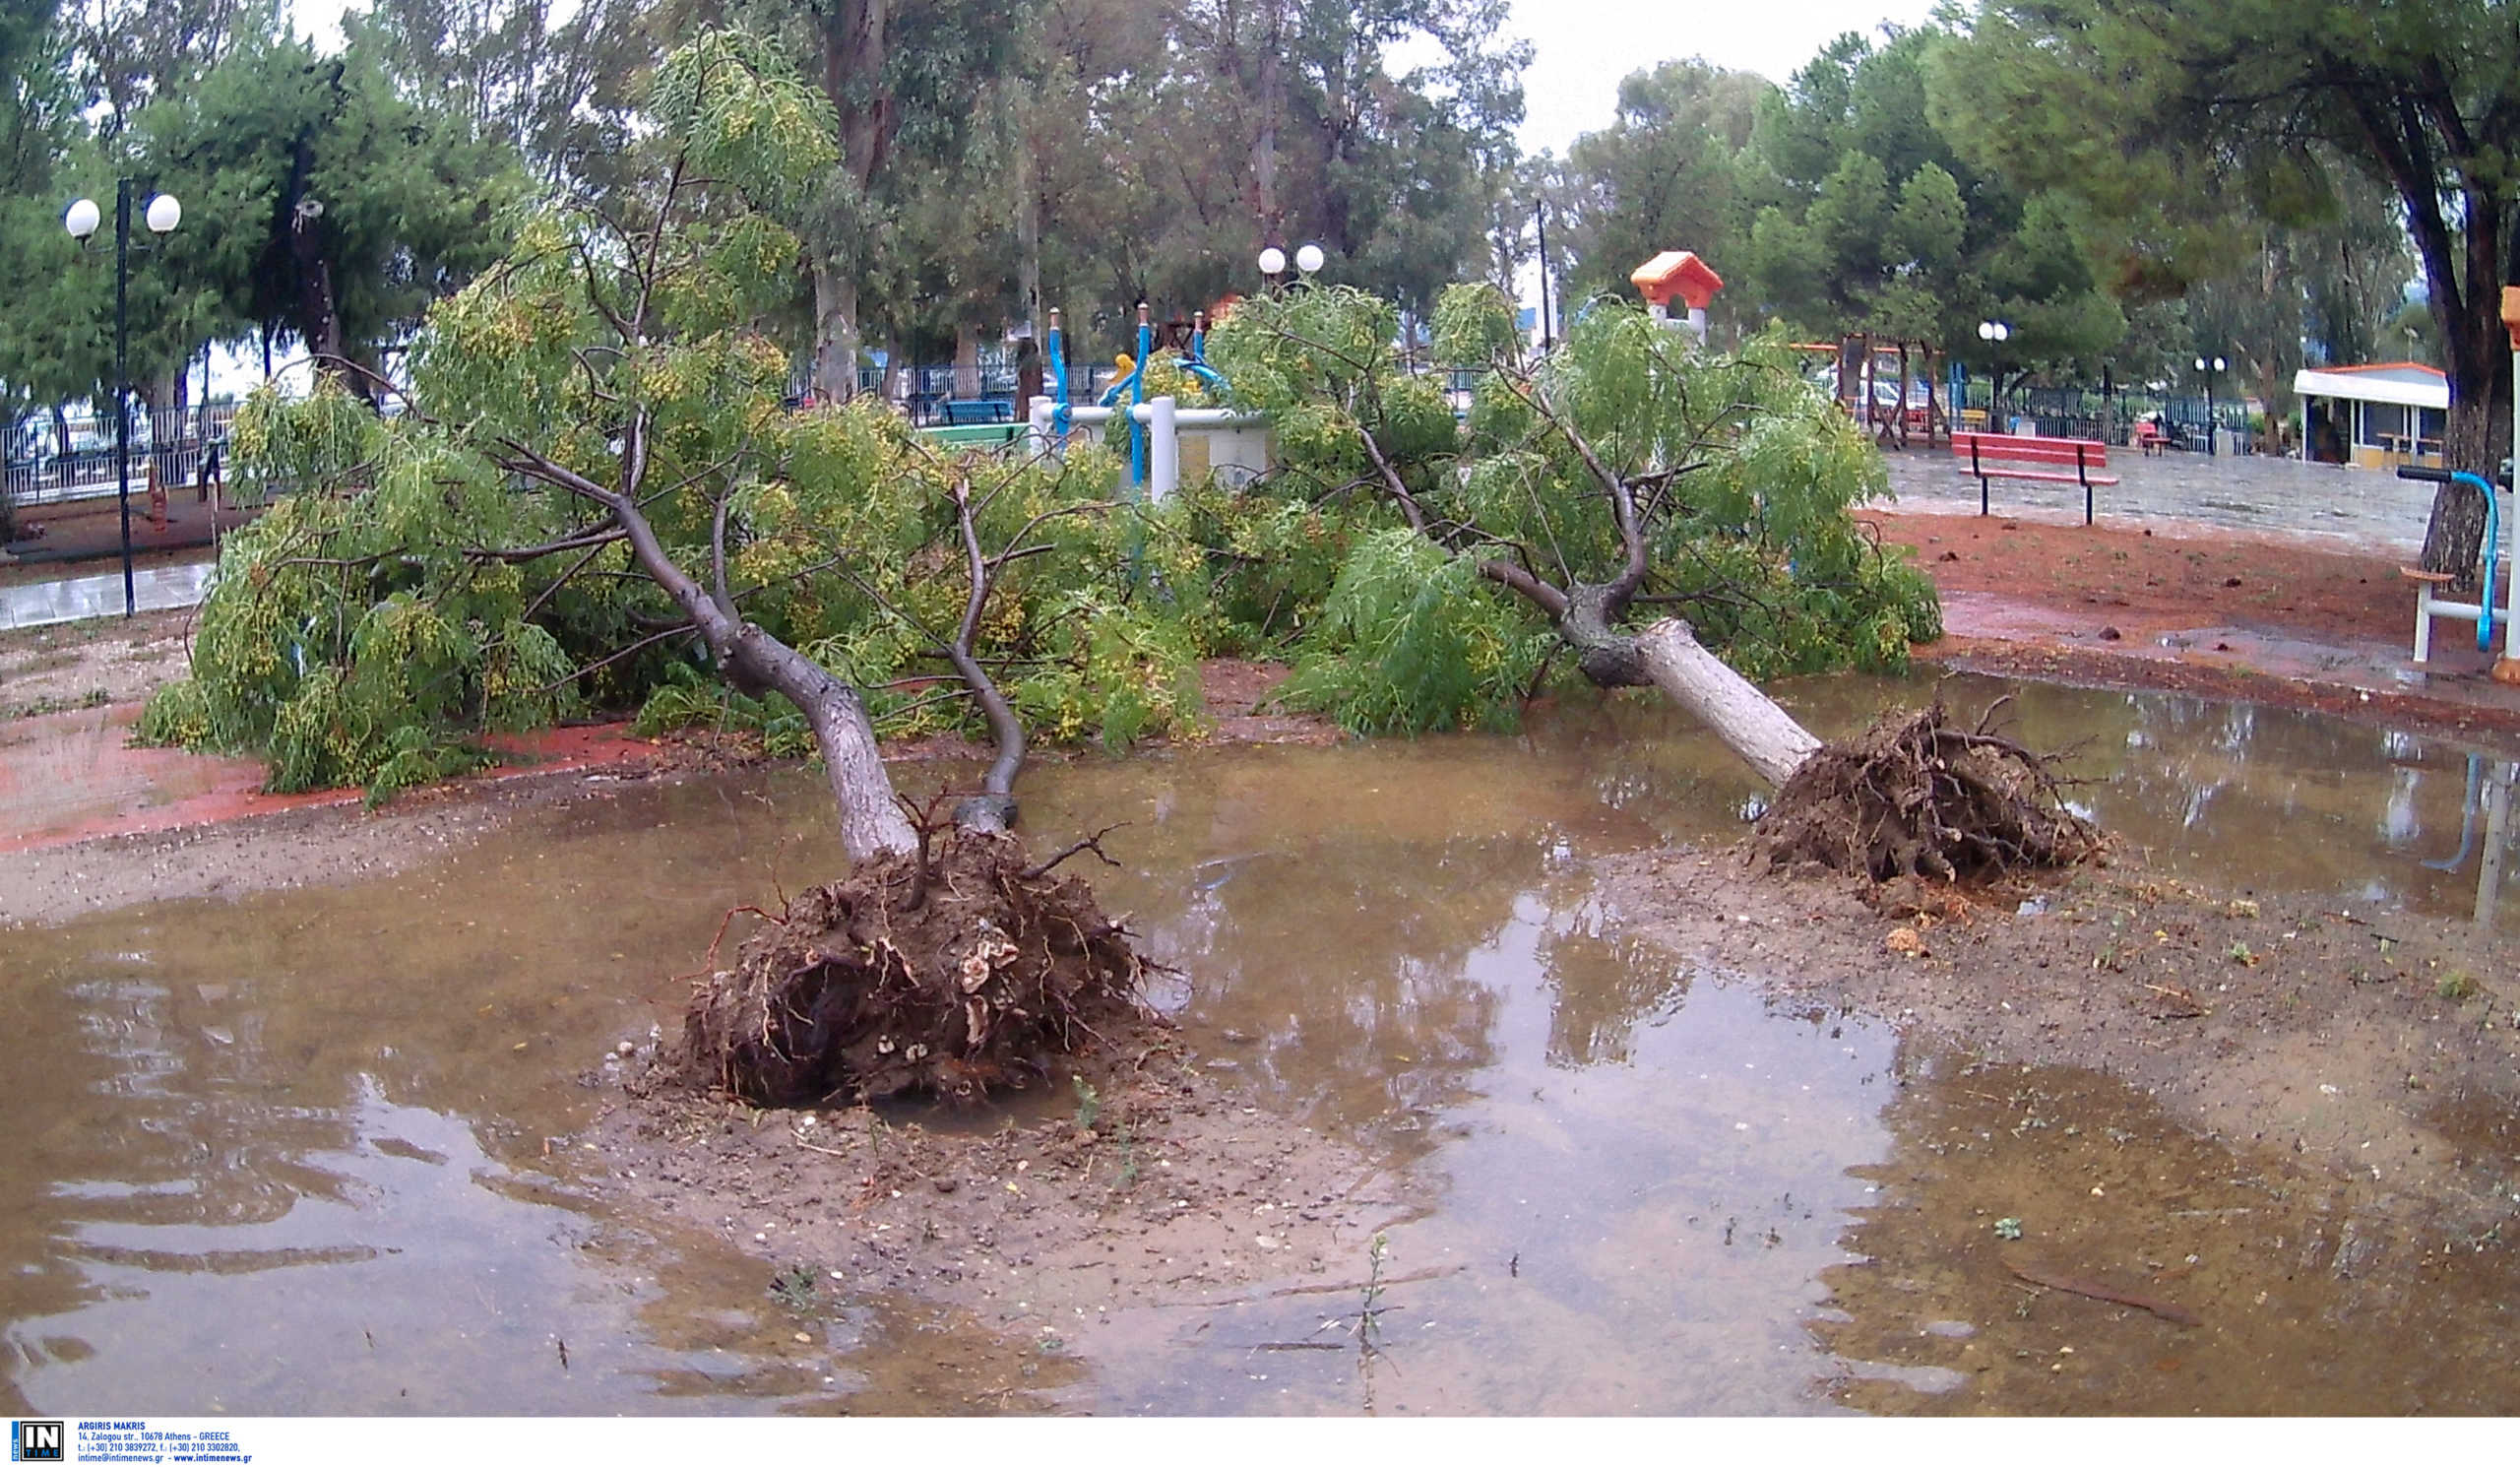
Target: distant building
x=2376, y=417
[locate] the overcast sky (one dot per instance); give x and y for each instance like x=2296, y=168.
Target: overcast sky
x=1582, y=48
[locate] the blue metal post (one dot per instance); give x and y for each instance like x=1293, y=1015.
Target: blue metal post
x=1137, y=395
x=1058, y=377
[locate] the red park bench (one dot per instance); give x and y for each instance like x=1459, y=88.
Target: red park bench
x=1991, y=456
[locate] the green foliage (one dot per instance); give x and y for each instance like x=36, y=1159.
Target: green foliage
x=1409, y=641
x=1743, y=477
x=351, y=639
x=1123, y=671
x=320, y=202
x=438, y=579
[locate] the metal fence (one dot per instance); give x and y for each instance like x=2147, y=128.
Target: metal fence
x=58, y=459
x=2073, y=413
x=949, y=395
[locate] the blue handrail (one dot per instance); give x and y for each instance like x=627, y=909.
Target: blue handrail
x=2492, y=537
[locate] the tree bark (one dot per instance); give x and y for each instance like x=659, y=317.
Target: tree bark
x=1667, y=655
x=855, y=54
x=1028, y=242
x=1264, y=140
x=967, y=360
x=2454, y=539
x=835, y=374
x=1748, y=721
x=871, y=822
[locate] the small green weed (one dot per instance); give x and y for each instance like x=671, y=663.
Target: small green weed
x=2457, y=987
x=793, y=1286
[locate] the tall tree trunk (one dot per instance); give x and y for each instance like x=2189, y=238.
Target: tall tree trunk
x=855, y=54
x=1027, y=241
x=1264, y=141
x=2478, y=433
x=2476, y=350
x=967, y=360
x=835, y=373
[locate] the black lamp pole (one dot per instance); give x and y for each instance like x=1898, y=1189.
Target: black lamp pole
x=1547, y=332
x=122, y=380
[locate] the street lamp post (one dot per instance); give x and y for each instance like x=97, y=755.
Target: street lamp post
x=2212, y=430
x=1273, y=262
x=82, y=219
x=1994, y=334
x=1547, y=336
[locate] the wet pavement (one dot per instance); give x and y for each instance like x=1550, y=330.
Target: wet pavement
x=161, y=588
x=297, y=1152
x=2317, y=505
x=77, y=774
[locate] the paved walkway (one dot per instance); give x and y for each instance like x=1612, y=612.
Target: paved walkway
x=2319, y=505
x=160, y=588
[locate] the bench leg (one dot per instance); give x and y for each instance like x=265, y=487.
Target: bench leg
x=2422, y=623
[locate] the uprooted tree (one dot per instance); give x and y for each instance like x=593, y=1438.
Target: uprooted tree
x=1625, y=474
x=592, y=494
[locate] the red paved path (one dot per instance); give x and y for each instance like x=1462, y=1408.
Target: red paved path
x=72, y=776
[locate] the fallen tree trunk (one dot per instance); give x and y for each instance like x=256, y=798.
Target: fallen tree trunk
x=1748, y=721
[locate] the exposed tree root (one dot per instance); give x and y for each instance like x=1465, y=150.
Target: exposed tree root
x=1915, y=796
x=953, y=971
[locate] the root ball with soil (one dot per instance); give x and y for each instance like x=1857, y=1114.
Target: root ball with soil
x=955, y=969
x=1915, y=796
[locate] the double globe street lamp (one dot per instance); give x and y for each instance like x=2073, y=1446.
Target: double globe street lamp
x=2211, y=429
x=1994, y=334
x=163, y=215
x=1308, y=259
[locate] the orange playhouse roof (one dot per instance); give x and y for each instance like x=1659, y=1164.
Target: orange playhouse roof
x=1677, y=272
x=2385, y=366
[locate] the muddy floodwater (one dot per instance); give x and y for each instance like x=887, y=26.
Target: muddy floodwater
x=311, y=1151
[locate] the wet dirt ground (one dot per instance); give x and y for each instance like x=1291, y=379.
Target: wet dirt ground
x=1612, y=1169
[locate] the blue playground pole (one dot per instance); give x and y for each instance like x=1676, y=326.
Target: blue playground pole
x=1196, y=362
x=1137, y=395
x=1058, y=378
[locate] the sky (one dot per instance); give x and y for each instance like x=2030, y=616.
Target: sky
x=1582, y=48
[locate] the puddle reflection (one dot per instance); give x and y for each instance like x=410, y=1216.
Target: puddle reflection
x=287, y=1154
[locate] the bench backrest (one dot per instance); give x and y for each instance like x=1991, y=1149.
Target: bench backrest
x=971, y=411
x=2088, y=452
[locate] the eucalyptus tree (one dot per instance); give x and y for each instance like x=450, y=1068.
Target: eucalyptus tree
x=558, y=85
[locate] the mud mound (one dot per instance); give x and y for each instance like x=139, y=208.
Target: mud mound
x=1915, y=796
x=955, y=973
